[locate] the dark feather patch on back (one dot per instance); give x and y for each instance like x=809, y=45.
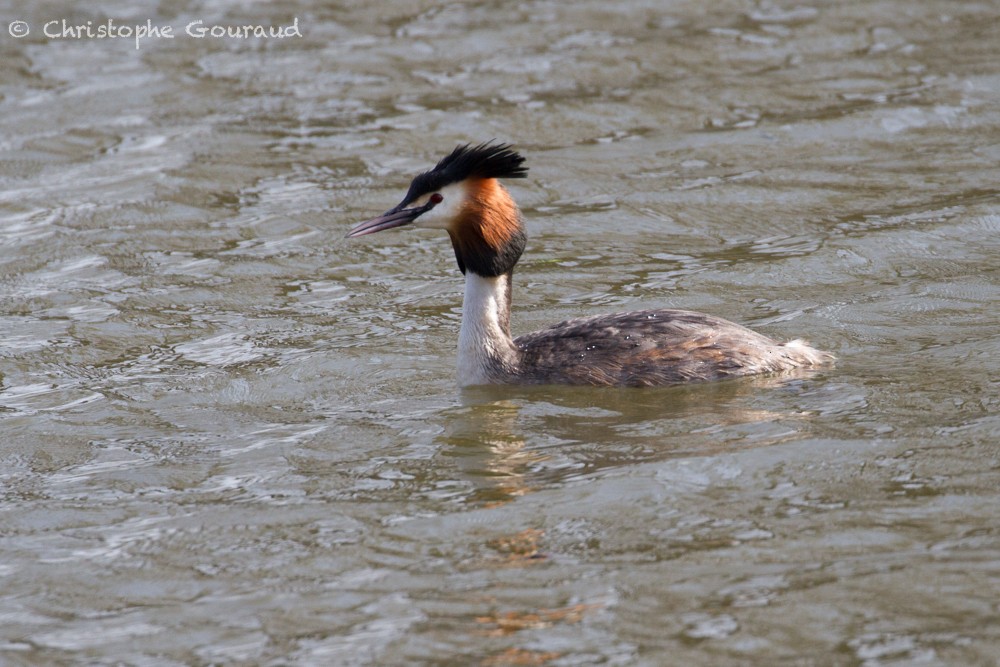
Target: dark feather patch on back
x=652, y=347
x=487, y=160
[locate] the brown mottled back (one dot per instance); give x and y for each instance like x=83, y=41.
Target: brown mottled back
x=653, y=347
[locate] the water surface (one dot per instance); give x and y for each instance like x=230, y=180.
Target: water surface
x=229, y=435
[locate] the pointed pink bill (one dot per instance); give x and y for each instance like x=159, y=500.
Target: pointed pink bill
x=396, y=217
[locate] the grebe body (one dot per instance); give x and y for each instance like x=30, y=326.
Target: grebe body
x=462, y=195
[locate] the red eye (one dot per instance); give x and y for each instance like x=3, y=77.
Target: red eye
x=436, y=198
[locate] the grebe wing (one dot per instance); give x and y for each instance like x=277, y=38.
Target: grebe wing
x=652, y=347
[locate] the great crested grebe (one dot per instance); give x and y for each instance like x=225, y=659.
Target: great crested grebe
x=643, y=348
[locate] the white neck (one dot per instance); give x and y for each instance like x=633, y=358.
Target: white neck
x=486, y=352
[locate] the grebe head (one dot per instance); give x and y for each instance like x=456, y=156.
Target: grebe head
x=461, y=195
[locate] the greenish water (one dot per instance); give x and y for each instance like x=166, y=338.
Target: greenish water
x=230, y=436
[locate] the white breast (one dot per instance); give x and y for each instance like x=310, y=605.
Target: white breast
x=484, y=345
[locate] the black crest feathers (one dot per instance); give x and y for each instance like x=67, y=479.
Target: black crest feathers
x=487, y=160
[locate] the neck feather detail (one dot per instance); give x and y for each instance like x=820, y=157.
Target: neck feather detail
x=486, y=353
x=487, y=234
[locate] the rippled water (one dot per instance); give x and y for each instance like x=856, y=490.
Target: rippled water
x=228, y=435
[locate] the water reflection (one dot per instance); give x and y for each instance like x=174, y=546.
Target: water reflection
x=508, y=441
x=488, y=450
